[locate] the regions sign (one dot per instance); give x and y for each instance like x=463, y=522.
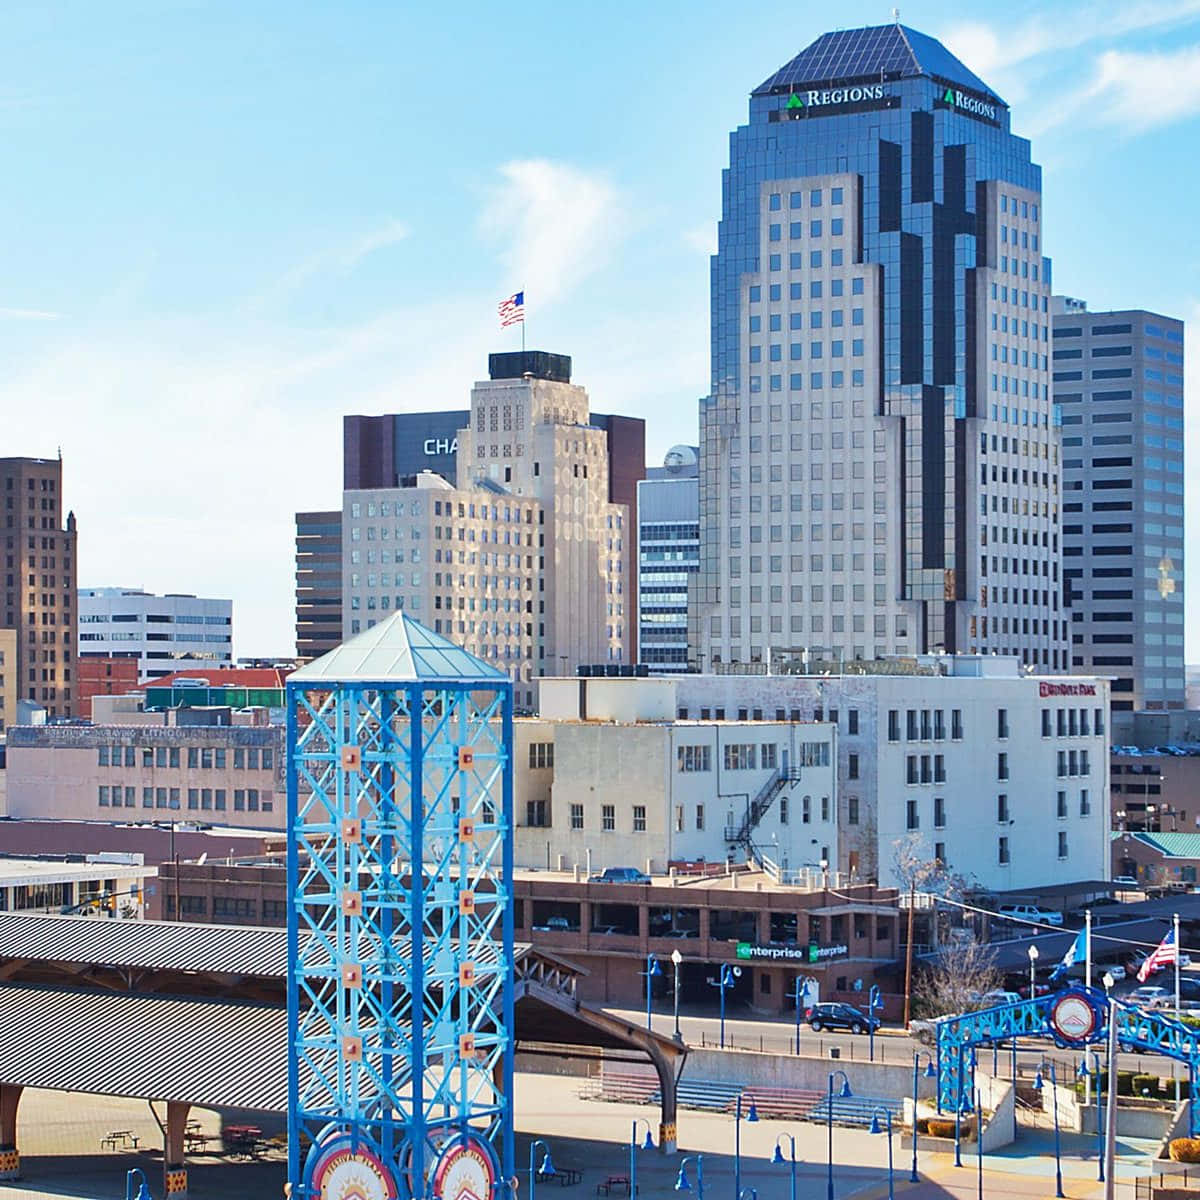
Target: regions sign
x=811, y=953
x=819, y=97
x=953, y=98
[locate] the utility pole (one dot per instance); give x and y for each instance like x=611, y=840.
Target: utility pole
x=908, y=952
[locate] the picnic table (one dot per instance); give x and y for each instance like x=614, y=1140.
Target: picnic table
x=563, y=1176
x=241, y=1139
x=613, y=1183
x=119, y=1139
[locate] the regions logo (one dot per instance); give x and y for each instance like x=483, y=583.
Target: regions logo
x=978, y=108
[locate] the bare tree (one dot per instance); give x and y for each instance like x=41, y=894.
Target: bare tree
x=955, y=979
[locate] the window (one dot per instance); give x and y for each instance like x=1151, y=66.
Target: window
x=911, y=774
x=939, y=768
x=1002, y=851
x=1062, y=844
x=912, y=817
x=103, y=761
x=541, y=755
x=770, y=755
x=1085, y=803
x=1002, y=809
x=740, y=757
x=1002, y=766
x=608, y=817
x=700, y=813
x=694, y=758
x=939, y=812
x=851, y=810
x=1062, y=806
x=103, y=796
x=576, y=816
x=956, y=724
x=852, y=766
x=1047, y=726
x=639, y=818
x=806, y=810
x=852, y=721
x=893, y=725
x=911, y=725
x=1002, y=722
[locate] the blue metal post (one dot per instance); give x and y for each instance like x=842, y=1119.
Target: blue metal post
x=979, y=1141
x=958, y=1113
x=1039, y=1084
x=875, y=1128
x=143, y=1192
x=633, y=1152
x=652, y=969
x=873, y=1002
x=547, y=1167
x=779, y=1159
x=829, y=1123
x=930, y=1072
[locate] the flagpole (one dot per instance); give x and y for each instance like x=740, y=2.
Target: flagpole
x=522, y=321
x=1087, y=957
x=1174, y=1069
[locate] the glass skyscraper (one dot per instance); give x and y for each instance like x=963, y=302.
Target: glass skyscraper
x=879, y=455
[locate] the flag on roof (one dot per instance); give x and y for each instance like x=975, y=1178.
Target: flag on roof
x=1165, y=952
x=512, y=310
x=1076, y=952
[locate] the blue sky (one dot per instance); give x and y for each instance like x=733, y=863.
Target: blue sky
x=229, y=224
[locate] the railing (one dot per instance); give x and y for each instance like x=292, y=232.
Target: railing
x=1177, y=1176
x=761, y=804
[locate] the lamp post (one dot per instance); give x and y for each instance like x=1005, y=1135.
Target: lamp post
x=751, y=1116
x=143, y=1192
x=979, y=1141
x=778, y=1159
x=930, y=1073
x=729, y=975
x=1083, y=1071
x=877, y=1128
x=648, y=1144
x=1033, y=957
x=652, y=969
x=676, y=959
x=845, y=1093
x=874, y=1001
x=545, y=1168
x=681, y=1180
x=1038, y=1085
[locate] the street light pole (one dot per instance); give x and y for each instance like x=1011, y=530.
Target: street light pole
x=143, y=1192
x=676, y=959
x=546, y=1168
x=877, y=1128
x=1039, y=1084
x=751, y=1116
x=778, y=1159
x=930, y=1073
x=652, y=969
x=633, y=1149
x=845, y=1092
x=681, y=1179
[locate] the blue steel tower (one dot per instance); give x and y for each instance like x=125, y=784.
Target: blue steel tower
x=879, y=455
x=400, y=989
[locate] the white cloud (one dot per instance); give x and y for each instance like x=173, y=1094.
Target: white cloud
x=27, y=314
x=1143, y=90
x=555, y=224
x=702, y=238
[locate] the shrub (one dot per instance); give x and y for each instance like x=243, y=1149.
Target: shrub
x=922, y=1124
x=1185, y=1150
x=1145, y=1085
x=939, y=1127
x=1125, y=1083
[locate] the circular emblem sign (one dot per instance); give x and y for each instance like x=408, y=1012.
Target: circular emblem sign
x=1073, y=1018
x=466, y=1170
x=343, y=1172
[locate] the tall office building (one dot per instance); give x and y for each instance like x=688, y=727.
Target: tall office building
x=1118, y=377
x=160, y=632
x=879, y=461
x=668, y=557
x=318, y=583
x=39, y=596
x=525, y=560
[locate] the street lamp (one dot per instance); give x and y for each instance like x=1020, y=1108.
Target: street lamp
x=779, y=1161
x=729, y=976
x=681, y=1180
x=648, y=1144
x=751, y=1116
x=1038, y=1084
x=546, y=1168
x=143, y=1192
x=677, y=958
x=845, y=1093
x=652, y=969
x=877, y=1128
x=1083, y=1074
x=930, y=1073
x=1033, y=957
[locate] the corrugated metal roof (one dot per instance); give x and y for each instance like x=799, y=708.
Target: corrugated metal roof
x=1173, y=845
x=150, y=1047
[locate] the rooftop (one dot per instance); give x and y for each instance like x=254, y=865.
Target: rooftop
x=874, y=53
x=224, y=676
x=26, y=871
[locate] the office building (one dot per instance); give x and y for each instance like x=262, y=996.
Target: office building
x=668, y=556
x=99, y=676
x=40, y=554
x=318, y=583
x=159, y=632
x=1003, y=777
x=1118, y=379
x=526, y=561
x=878, y=457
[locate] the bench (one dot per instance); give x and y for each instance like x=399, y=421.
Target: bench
x=119, y=1139
x=614, y=1183
x=563, y=1176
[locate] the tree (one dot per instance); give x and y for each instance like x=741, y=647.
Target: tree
x=955, y=979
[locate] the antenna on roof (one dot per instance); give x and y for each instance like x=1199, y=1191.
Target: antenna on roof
x=896, y=15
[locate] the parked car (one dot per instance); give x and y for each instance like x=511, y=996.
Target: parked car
x=1115, y=970
x=1039, y=989
x=620, y=875
x=841, y=1016
x=1030, y=912
x=996, y=997
x=1124, y=881
x=1189, y=988
x=924, y=1032
x=1149, y=995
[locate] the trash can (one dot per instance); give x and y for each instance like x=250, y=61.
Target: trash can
x=835, y=1052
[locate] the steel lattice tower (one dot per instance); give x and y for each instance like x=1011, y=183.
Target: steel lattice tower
x=400, y=922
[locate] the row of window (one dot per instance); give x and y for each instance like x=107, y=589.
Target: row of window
x=925, y=725
x=1072, y=722
x=816, y=290
x=198, y=799
x=1004, y=852
x=205, y=758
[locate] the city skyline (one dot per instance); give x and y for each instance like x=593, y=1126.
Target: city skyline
x=227, y=247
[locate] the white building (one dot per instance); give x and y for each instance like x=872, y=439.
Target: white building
x=1002, y=775
x=111, y=885
x=162, y=632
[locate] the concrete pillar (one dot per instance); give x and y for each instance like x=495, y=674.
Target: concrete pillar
x=667, y=1127
x=175, y=1180
x=10, y=1158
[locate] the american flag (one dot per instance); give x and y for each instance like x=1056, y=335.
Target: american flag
x=512, y=310
x=1165, y=952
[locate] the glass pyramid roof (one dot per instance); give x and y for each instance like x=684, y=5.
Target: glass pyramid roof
x=398, y=650
x=873, y=52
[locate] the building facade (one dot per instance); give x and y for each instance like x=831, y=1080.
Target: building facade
x=526, y=563
x=40, y=555
x=318, y=583
x=100, y=676
x=969, y=756
x=668, y=557
x=1118, y=379
x=879, y=464
x=226, y=774
x=160, y=632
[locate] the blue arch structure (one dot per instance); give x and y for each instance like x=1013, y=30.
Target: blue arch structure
x=1136, y=1029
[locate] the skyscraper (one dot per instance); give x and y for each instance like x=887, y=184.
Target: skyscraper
x=1118, y=378
x=318, y=583
x=40, y=582
x=879, y=458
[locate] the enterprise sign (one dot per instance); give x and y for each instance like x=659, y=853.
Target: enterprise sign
x=811, y=953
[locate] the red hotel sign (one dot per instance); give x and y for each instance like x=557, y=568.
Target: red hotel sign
x=1066, y=689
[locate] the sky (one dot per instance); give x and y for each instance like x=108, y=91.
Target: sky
x=229, y=224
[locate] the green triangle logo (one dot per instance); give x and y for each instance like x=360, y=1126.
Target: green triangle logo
x=949, y=96
x=795, y=101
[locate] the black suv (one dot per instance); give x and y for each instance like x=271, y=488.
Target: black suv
x=841, y=1016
